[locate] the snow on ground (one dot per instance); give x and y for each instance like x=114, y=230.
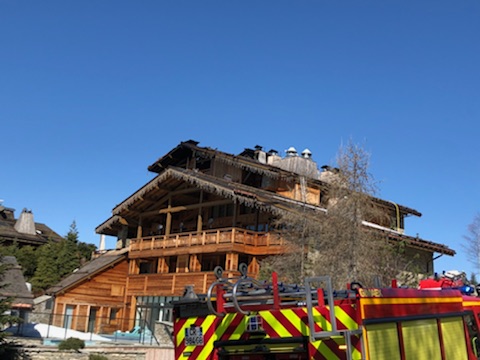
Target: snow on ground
x=38, y=330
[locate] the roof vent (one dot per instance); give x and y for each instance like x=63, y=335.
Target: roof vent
x=307, y=154
x=291, y=151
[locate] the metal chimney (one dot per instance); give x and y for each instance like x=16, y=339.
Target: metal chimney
x=102, y=243
x=307, y=154
x=291, y=151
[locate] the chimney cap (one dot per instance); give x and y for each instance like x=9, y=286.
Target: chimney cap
x=307, y=154
x=291, y=151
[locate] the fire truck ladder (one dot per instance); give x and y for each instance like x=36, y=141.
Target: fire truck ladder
x=244, y=294
x=312, y=292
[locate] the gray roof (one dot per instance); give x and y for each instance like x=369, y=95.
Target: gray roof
x=13, y=284
x=8, y=232
x=90, y=269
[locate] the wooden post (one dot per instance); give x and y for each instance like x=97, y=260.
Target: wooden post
x=168, y=225
x=234, y=218
x=200, y=218
x=139, y=228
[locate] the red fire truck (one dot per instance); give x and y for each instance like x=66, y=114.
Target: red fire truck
x=244, y=319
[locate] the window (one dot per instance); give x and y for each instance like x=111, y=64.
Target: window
x=452, y=331
x=49, y=304
x=172, y=264
x=383, y=342
x=148, y=266
x=113, y=314
x=427, y=330
x=155, y=308
x=210, y=261
x=221, y=211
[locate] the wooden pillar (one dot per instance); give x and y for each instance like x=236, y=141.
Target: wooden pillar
x=162, y=266
x=168, y=225
x=234, y=217
x=195, y=264
x=139, y=227
x=231, y=262
x=254, y=266
x=200, y=218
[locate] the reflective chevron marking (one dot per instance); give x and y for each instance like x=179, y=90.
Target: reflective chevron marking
x=277, y=324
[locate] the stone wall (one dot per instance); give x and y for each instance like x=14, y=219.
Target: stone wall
x=53, y=354
x=32, y=349
x=164, y=333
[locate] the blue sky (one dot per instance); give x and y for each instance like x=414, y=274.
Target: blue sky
x=92, y=92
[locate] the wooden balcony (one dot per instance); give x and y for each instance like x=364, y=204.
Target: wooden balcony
x=208, y=241
x=171, y=284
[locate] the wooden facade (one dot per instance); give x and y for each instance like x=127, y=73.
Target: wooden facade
x=203, y=209
x=94, y=299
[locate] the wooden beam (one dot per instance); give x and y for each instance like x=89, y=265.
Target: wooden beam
x=186, y=207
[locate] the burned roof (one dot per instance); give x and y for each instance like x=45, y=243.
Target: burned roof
x=178, y=157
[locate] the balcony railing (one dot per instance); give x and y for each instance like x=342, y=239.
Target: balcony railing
x=208, y=237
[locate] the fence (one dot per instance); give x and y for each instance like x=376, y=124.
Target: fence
x=98, y=329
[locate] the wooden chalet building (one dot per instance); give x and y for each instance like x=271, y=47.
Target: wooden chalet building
x=202, y=209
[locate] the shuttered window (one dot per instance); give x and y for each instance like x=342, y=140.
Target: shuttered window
x=421, y=340
x=382, y=342
x=453, y=335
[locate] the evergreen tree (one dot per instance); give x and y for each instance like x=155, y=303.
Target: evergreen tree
x=26, y=257
x=47, y=272
x=5, y=317
x=48, y=264
x=58, y=259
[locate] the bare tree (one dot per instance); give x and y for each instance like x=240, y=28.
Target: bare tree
x=472, y=242
x=336, y=242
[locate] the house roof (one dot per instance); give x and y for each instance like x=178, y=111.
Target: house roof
x=243, y=194
x=12, y=284
x=90, y=269
x=9, y=233
x=178, y=156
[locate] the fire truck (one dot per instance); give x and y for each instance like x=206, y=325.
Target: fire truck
x=245, y=319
